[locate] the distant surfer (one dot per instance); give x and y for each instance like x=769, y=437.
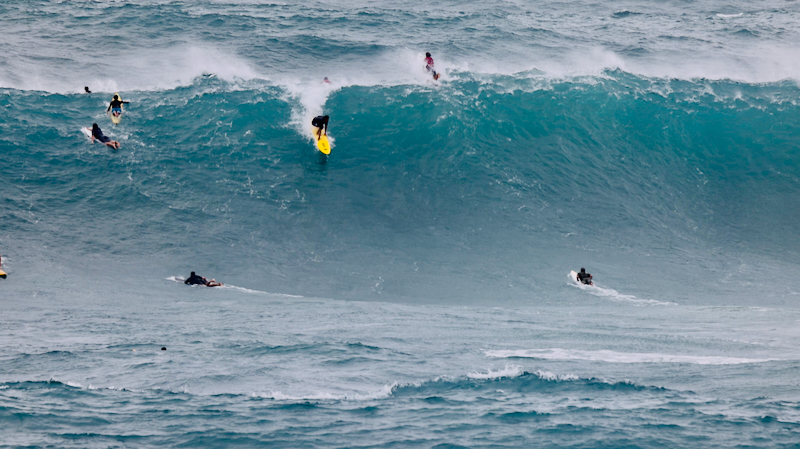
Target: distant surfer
x=584, y=277
x=326, y=81
x=429, y=66
x=320, y=122
x=200, y=280
x=116, y=106
x=97, y=133
x=86, y=89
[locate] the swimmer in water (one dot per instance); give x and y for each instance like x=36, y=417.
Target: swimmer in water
x=97, y=133
x=116, y=106
x=200, y=280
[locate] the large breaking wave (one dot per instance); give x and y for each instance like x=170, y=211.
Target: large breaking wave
x=427, y=186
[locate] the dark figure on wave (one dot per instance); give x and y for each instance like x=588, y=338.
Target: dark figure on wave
x=86, y=89
x=429, y=66
x=116, y=106
x=584, y=277
x=200, y=280
x=97, y=133
x=320, y=122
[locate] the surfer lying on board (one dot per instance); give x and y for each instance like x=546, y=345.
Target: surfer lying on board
x=584, y=277
x=116, y=106
x=200, y=280
x=320, y=121
x=429, y=65
x=97, y=133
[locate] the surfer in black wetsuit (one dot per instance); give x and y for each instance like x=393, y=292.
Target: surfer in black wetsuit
x=320, y=121
x=116, y=106
x=200, y=280
x=97, y=133
x=584, y=277
x=86, y=89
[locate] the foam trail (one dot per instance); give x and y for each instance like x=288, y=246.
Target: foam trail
x=618, y=357
x=180, y=280
x=616, y=296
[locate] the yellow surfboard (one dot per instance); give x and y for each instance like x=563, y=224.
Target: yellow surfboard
x=2, y=274
x=324, y=145
x=115, y=119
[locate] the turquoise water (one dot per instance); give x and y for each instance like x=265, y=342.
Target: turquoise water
x=411, y=289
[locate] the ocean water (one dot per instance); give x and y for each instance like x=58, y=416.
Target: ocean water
x=411, y=289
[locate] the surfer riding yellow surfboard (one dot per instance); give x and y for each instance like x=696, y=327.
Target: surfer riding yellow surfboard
x=320, y=122
x=115, y=107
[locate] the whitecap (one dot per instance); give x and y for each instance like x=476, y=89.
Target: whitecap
x=620, y=357
x=381, y=393
x=508, y=372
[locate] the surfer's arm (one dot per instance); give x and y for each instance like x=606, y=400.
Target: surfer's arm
x=109, y=107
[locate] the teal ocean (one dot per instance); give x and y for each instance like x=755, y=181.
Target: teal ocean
x=411, y=289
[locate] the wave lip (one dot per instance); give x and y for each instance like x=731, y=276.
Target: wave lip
x=619, y=357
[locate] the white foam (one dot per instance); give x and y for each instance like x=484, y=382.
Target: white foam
x=509, y=371
x=619, y=357
x=728, y=16
x=547, y=375
x=309, y=101
x=383, y=392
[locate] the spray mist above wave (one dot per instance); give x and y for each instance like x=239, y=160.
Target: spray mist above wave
x=147, y=69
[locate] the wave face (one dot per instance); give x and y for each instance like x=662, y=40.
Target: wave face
x=411, y=289
x=426, y=185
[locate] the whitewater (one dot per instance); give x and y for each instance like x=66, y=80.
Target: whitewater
x=411, y=289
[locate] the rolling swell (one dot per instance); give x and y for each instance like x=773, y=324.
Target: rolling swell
x=556, y=412
x=477, y=170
